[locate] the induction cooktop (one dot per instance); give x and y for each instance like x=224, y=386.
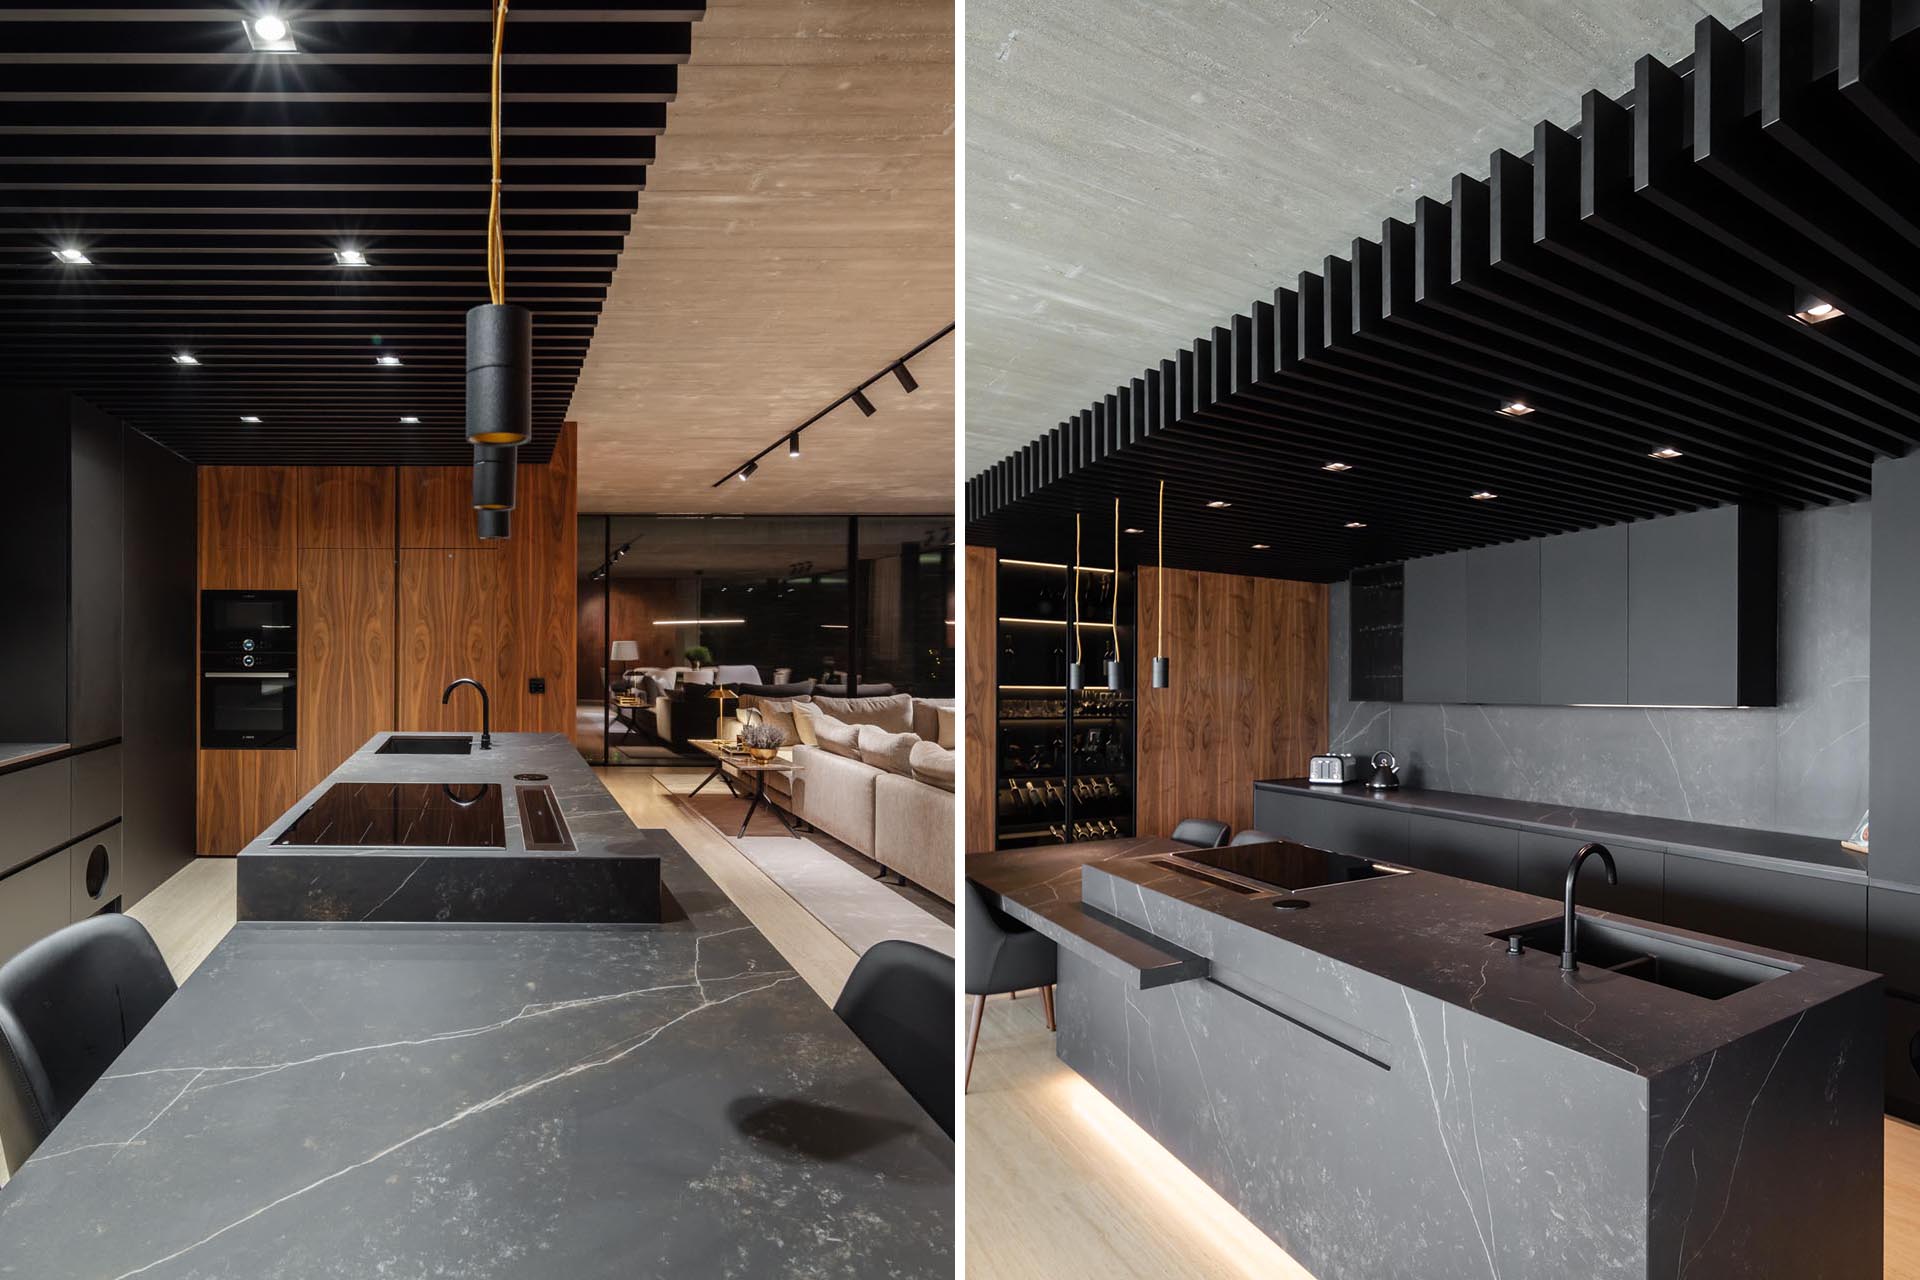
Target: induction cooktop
x=1286, y=866
x=406, y=815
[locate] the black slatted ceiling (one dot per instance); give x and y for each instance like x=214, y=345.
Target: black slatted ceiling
x=1632, y=277
x=211, y=185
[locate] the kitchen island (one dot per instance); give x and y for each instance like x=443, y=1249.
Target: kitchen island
x=550, y=1100
x=1376, y=1082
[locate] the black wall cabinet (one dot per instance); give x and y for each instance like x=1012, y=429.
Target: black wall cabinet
x=1893, y=728
x=1679, y=611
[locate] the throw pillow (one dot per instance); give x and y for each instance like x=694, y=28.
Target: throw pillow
x=836, y=736
x=932, y=764
x=893, y=713
x=649, y=689
x=947, y=716
x=778, y=712
x=804, y=714
x=890, y=751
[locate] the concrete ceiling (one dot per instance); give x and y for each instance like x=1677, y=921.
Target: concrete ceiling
x=1137, y=171
x=796, y=236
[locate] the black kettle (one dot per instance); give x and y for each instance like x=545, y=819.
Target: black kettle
x=1386, y=771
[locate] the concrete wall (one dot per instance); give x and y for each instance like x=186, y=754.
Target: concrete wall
x=1799, y=767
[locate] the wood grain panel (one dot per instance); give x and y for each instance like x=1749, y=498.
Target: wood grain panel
x=240, y=793
x=1248, y=697
x=346, y=506
x=436, y=507
x=980, y=711
x=542, y=570
x=347, y=667
x=633, y=604
x=249, y=528
x=449, y=607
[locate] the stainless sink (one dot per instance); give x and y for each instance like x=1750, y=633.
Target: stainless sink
x=402, y=745
x=1646, y=956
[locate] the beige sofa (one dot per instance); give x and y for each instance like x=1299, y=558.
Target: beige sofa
x=903, y=824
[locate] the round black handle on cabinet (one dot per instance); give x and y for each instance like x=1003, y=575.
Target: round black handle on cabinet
x=97, y=868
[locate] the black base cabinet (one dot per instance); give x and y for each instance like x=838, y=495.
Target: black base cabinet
x=1344, y=828
x=1902, y=1069
x=1464, y=849
x=1807, y=915
x=1542, y=869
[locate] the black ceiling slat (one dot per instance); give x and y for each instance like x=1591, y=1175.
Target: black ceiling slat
x=259, y=79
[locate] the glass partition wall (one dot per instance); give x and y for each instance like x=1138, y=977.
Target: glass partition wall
x=672, y=608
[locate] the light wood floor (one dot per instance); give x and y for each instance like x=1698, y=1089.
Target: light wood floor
x=1062, y=1186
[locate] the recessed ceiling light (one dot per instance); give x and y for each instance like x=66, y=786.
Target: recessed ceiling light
x=1262, y=546
x=1665, y=452
x=391, y=362
x=249, y=419
x=73, y=257
x=409, y=421
x=1817, y=311
x=1356, y=524
x=350, y=257
x=269, y=33
x=1516, y=408
x=1133, y=531
x=1338, y=466
x=1217, y=505
x=183, y=357
x=1485, y=496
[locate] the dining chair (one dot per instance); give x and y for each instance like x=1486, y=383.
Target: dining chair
x=1003, y=956
x=899, y=1001
x=68, y=1005
x=1202, y=833
x=1253, y=836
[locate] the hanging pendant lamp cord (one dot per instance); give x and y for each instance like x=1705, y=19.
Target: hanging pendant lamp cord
x=496, y=242
x=1160, y=578
x=1073, y=619
x=1113, y=623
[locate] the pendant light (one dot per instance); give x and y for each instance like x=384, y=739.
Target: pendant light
x=494, y=525
x=499, y=345
x=1160, y=673
x=1115, y=678
x=1076, y=673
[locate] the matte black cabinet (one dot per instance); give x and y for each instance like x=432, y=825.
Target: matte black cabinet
x=98, y=535
x=1583, y=618
x=1701, y=608
x=1469, y=850
x=1807, y=915
x=35, y=812
x=1542, y=869
x=1360, y=830
x=1902, y=1062
x=1503, y=624
x=1434, y=629
x=1893, y=724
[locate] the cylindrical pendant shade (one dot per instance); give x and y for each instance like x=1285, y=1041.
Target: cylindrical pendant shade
x=494, y=468
x=499, y=374
x=494, y=525
x=1116, y=678
x=1160, y=675
x=1076, y=675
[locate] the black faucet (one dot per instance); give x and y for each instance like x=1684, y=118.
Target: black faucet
x=486, y=725
x=1567, y=961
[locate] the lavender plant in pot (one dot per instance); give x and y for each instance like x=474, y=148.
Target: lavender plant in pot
x=763, y=741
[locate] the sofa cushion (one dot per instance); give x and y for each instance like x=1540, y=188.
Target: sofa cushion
x=736, y=674
x=837, y=736
x=932, y=764
x=890, y=751
x=703, y=675
x=775, y=711
x=651, y=690
x=794, y=689
x=926, y=719
x=804, y=714
x=894, y=713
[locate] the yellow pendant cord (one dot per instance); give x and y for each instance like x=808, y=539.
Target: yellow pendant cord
x=1160, y=578
x=1074, y=621
x=496, y=243
x=1113, y=623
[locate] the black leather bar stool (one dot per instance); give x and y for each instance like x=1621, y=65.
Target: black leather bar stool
x=1253, y=836
x=1003, y=956
x=899, y=1001
x=68, y=1005
x=1202, y=833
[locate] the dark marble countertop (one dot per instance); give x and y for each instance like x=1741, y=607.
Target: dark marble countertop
x=1777, y=849
x=1425, y=931
x=18, y=755
x=485, y=1101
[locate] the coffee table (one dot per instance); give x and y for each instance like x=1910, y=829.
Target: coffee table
x=746, y=766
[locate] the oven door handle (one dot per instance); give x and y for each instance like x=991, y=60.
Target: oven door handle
x=248, y=675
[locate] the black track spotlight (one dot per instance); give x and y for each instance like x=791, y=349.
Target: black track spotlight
x=861, y=403
x=746, y=472
x=907, y=381
x=494, y=525
x=499, y=374
x=494, y=468
x=793, y=445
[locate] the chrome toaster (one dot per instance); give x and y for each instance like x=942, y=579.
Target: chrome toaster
x=1334, y=770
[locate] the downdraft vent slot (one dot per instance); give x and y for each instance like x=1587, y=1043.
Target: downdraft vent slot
x=541, y=825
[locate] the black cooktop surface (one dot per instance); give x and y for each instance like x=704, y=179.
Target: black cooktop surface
x=1284, y=865
x=407, y=815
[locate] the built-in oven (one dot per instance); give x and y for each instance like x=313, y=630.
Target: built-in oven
x=249, y=698
x=256, y=622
